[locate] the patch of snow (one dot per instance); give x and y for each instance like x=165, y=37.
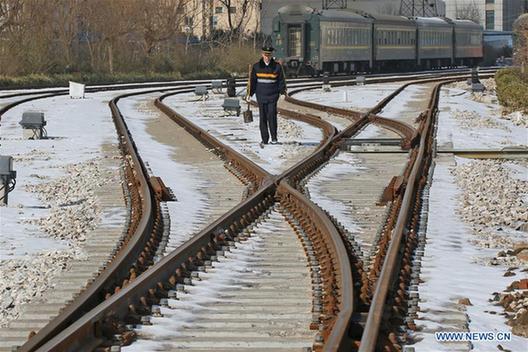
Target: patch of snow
x=361, y=98
x=298, y=138
x=450, y=272
x=399, y=109
x=185, y=180
x=491, y=132
x=70, y=124
x=342, y=164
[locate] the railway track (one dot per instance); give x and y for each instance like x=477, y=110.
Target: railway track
x=332, y=257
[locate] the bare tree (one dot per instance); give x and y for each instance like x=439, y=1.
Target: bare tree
x=159, y=21
x=238, y=18
x=9, y=13
x=520, y=31
x=468, y=11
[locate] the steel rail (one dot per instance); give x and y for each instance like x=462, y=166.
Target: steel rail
x=373, y=78
x=369, y=340
x=86, y=329
x=336, y=333
x=417, y=141
x=262, y=178
x=127, y=254
x=256, y=173
x=125, y=258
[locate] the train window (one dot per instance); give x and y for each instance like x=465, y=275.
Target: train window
x=276, y=26
x=294, y=40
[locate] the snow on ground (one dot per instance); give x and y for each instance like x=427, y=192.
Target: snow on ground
x=52, y=206
x=234, y=277
x=184, y=179
x=452, y=269
x=298, y=139
x=70, y=124
x=370, y=131
x=465, y=123
x=360, y=98
x=401, y=108
x=342, y=164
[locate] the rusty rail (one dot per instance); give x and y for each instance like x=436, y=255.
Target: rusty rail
x=392, y=262
x=106, y=319
x=89, y=330
x=124, y=259
x=253, y=172
x=338, y=281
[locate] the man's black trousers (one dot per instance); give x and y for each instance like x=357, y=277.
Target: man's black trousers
x=268, y=119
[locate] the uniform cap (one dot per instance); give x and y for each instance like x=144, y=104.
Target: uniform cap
x=267, y=49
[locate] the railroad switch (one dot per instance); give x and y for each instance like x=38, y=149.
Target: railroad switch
x=202, y=92
x=231, y=87
x=360, y=80
x=327, y=87
x=231, y=105
x=217, y=85
x=476, y=85
x=161, y=191
x=395, y=187
x=7, y=177
x=33, y=125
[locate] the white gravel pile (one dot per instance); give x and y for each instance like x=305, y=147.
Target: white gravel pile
x=489, y=96
x=25, y=279
x=73, y=212
x=494, y=203
x=471, y=120
x=517, y=117
x=515, y=304
x=491, y=197
x=72, y=202
x=489, y=83
x=289, y=130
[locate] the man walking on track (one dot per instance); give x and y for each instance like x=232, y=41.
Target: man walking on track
x=267, y=81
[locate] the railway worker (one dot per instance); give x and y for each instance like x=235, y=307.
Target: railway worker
x=267, y=82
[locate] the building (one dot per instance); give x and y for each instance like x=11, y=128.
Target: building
x=493, y=15
x=205, y=17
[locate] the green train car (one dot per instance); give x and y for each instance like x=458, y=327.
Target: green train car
x=335, y=41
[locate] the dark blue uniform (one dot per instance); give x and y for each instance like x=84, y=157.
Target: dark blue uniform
x=267, y=82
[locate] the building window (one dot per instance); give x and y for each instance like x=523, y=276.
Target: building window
x=490, y=19
x=188, y=21
x=232, y=9
x=219, y=9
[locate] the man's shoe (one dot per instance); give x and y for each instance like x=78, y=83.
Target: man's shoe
x=274, y=141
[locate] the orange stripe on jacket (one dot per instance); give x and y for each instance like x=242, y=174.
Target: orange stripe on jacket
x=267, y=75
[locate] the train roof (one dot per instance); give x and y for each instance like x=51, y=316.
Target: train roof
x=431, y=22
x=400, y=20
x=305, y=11
x=293, y=10
x=466, y=24
x=344, y=14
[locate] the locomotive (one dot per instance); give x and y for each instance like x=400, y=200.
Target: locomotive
x=308, y=41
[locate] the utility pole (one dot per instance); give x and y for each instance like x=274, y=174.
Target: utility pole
x=424, y=8
x=334, y=4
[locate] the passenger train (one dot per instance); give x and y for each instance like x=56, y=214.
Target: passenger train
x=308, y=41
